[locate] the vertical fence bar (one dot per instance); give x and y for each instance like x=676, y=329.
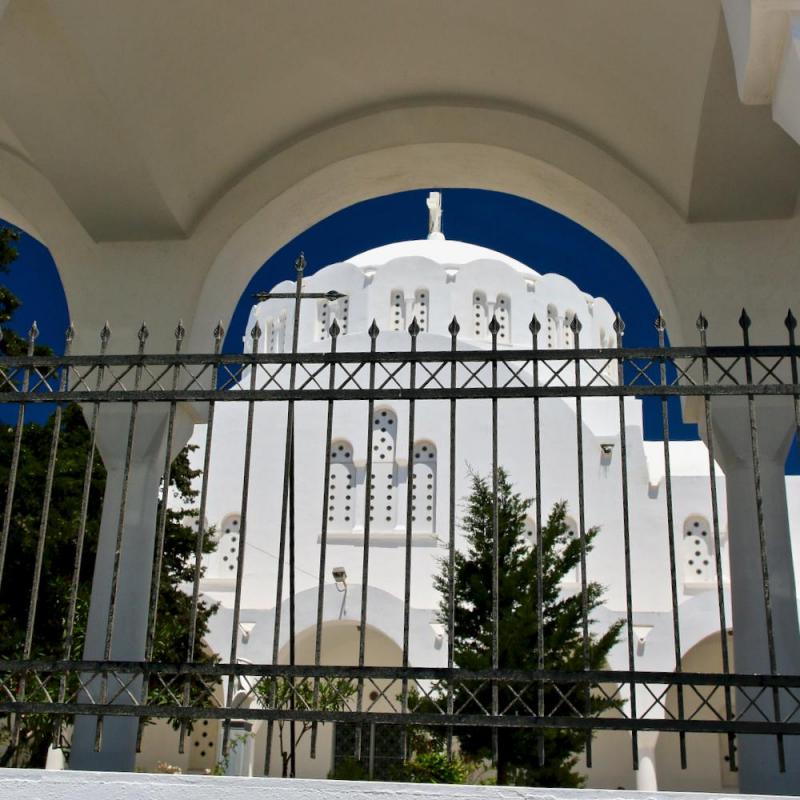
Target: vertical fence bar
x=575, y=326
x=292, y=589
x=255, y=336
x=288, y=468
x=42, y=538
x=413, y=330
x=702, y=326
x=494, y=328
x=661, y=327
x=368, y=508
x=13, y=469
x=201, y=530
x=744, y=322
x=105, y=335
x=123, y=507
x=453, y=329
x=158, y=555
x=619, y=330
x=535, y=327
x=323, y=537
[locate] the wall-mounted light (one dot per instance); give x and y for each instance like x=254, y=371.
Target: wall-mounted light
x=607, y=448
x=340, y=576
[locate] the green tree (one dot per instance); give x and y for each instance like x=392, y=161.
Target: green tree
x=562, y=615
x=50, y=622
x=333, y=694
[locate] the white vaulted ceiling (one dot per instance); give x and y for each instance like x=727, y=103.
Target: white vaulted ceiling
x=142, y=116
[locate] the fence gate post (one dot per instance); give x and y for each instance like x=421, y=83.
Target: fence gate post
x=133, y=454
x=761, y=645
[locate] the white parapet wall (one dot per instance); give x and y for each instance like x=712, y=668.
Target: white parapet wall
x=65, y=785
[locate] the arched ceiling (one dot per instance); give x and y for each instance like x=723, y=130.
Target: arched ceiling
x=143, y=115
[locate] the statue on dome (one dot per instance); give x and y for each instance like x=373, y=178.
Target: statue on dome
x=434, y=203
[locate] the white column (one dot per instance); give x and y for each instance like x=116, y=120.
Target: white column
x=646, y=777
x=117, y=752
x=757, y=755
x=239, y=760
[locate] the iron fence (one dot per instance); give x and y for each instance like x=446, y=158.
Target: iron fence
x=448, y=697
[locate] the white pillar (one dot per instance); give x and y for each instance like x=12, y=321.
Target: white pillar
x=240, y=750
x=757, y=755
x=646, y=777
x=117, y=752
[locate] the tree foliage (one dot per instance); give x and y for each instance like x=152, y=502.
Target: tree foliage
x=562, y=617
x=332, y=694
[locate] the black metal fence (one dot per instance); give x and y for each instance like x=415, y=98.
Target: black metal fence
x=449, y=697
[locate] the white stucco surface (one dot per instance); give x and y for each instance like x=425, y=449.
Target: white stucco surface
x=42, y=785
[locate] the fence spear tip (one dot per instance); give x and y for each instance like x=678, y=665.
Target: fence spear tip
x=494, y=325
x=334, y=330
x=374, y=330
x=534, y=326
x=414, y=328
x=744, y=319
x=702, y=322
x=180, y=331
x=790, y=321
x=619, y=324
x=453, y=328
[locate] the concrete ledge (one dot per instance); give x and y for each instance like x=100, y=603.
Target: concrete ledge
x=55, y=785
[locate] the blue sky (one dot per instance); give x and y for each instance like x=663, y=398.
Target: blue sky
x=527, y=231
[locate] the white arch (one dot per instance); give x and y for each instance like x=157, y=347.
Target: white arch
x=257, y=228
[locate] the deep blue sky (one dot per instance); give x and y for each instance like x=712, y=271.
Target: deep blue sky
x=527, y=231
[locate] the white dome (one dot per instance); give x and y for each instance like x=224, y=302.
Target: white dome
x=442, y=251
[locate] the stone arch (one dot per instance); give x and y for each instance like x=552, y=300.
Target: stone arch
x=243, y=229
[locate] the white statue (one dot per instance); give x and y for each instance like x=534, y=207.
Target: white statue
x=434, y=203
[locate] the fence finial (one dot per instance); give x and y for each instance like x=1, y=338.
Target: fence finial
x=300, y=263
x=619, y=324
x=494, y=325
x=790, y=322
x=660, y=322
x=143, y=333
x=33, y=333
x=744, y=320
x=414, y=328
x=575, y=324
x=534, y=326
x=453, y=328
x=69, y=334
x=105, y=333
x=334, y=329
x=374, y=330
x=218, y=331
x=255, y=332
x=180, y=331
x=702, y=322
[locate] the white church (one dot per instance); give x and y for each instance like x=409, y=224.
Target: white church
x=432, y=280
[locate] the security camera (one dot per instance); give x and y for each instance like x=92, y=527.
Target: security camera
x=340, y=576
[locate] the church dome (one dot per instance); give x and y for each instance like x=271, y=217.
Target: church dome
x=441, y=250
x=434, y=280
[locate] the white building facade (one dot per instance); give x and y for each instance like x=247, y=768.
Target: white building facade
x=432, y=281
